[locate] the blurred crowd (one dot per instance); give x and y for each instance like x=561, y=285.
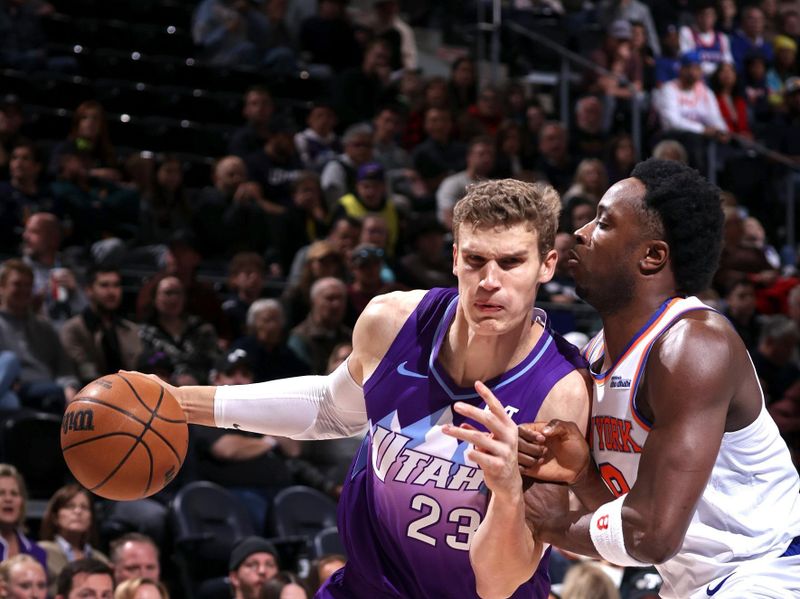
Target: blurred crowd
x=117, y=257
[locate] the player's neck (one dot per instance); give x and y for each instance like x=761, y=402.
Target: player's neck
x=620, y=326
x=468, y=357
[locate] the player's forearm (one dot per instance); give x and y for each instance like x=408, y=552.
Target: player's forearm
x=569, y=532
x=503, y=552
x=590, y=489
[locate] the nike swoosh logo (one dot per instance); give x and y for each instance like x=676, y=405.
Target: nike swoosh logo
x=401, y=369
x=710, y=591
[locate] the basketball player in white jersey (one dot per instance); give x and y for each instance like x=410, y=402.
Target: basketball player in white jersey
x=684, y=468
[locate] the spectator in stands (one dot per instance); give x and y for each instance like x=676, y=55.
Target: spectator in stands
x=712, y=46
x=668, y=64
x=338, y=178
x=750, y=37
x=788, y=121
x=68, y=531
x=265, y=343
x=134, y=555
x=631, y=11
x=318, y=143
x=671, y=149
x=586, y=580
x=484, y=116
x=285, y=585
x=14, y=498
x=305, y=219
x=252, y=466
x=366, y=262
x=555, y=161
x=480, y=162
x=740, y=308
x=588, y=135
x=22, y=577
x=246, y=278
x=46, y=378
x=461, y=86
x=644, y=54
x=164, y=207
x=621, y=158
x=739, y=258
x=22, y=195
x=89, y=138
x=371, y=198
x=321, y=260
x=182, y=261
x=190, y=342
x=386, y=23
x=328, y=38
x=229, y=32
x=615, y=55
x=535, y=118
x=342, y=237
x=783, y=67
x=591, y=181
x=253, y=562
x=732, y=105
x=428, y=264
x=727, y=16
x=577, y=212
x=257, y=111
x=83, y=578
x=689, y=111
x=275, y=166
x=434, y=95
x=322, y=568
x=98, y=340
x=275, y=44
x=774, y=356
x=141, y=588
x=561, y=288
x=790, y=23
x=358, y=92
x=11, y=120
x=511, y=156
x=756, y=91
x=97, y=212
x=313, y=339
x=387, y=125
x=439, y=155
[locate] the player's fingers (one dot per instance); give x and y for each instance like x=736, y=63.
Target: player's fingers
x=480, y=439
x=532, y=432
x=484, y=417
x=534, y=450
x=494, y=404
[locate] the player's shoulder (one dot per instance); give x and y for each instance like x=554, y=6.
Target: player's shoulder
x=699, y=337
x=569, y=398
x=385, y=314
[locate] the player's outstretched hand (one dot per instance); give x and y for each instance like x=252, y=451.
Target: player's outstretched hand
x=554, y=451
x=494, y=451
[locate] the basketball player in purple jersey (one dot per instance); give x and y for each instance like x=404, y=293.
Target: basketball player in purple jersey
x=414, y=497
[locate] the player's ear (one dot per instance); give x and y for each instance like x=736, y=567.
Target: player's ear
x=548, y=266
x=656, y=257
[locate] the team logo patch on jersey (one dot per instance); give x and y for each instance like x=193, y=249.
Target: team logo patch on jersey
x=617, y=382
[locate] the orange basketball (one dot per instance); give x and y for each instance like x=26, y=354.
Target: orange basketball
x=124, y=436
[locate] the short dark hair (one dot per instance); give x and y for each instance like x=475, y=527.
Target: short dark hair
x=87, y=565
x=96, y=270
x=688, y=209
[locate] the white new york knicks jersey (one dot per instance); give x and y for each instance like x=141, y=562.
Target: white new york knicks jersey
x=750, y=508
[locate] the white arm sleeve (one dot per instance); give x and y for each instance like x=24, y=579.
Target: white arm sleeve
x=304, y=407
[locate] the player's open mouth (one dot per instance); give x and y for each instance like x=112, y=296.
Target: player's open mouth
x=573, y=257
x=488, y=307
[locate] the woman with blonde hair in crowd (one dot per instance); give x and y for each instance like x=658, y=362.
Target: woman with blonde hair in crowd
x=68, y=530
x=22, y=577
x=591, y=181
x=586, y=580
x=141, y=588
x=13, y=500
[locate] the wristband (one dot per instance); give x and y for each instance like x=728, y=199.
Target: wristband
x=606, y=532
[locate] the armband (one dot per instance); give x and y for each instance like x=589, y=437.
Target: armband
x=606, y=532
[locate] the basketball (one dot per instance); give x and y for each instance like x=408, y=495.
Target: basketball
x=124, y=436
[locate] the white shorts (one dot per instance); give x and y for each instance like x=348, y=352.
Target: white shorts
x=776, y=578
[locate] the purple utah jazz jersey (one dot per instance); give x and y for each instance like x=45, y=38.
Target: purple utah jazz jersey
x=412, y=501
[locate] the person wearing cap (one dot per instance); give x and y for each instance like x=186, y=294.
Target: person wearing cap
x=366, y=262
x=321, y=260
x=782, y=68
x=616, y=55
x=338, y=177
x=631, y=11
x=253, y=562
x=371, y=198
x=687, y=107
x=713, y=47
x=480, y=162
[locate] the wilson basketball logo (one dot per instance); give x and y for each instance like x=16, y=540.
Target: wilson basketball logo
x=78, y=420
x=602, y=523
